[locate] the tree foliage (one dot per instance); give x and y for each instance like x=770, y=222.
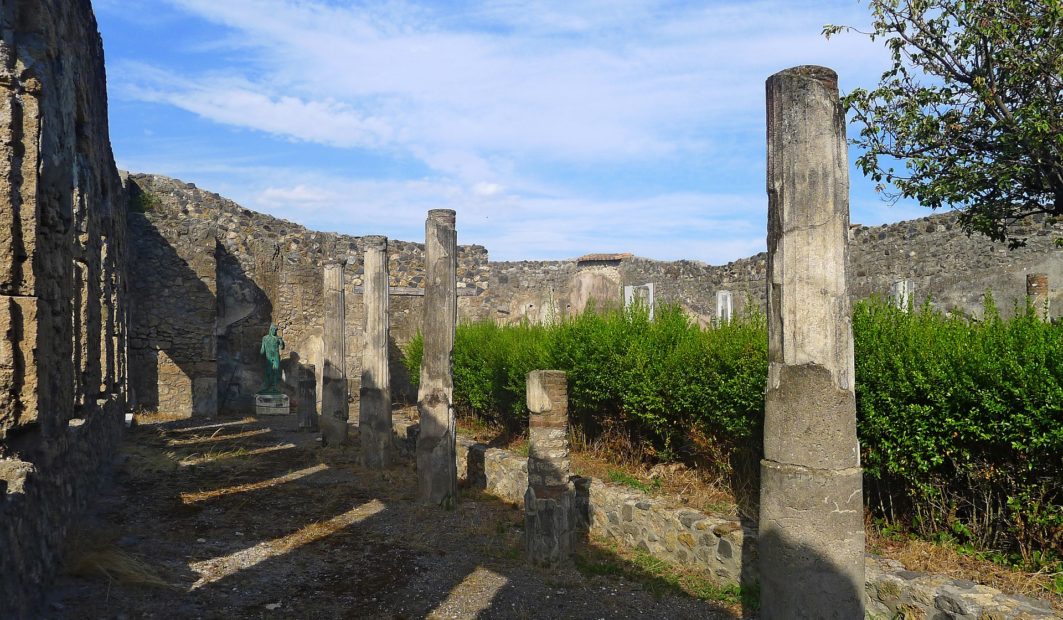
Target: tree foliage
x=972, y=106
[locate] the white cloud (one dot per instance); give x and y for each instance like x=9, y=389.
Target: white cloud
x=500, y=100
x=639, y=81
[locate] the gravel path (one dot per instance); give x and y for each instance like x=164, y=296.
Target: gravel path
x=251, y=519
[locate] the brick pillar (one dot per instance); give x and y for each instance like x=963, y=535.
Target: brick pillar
x=548, y=502
x=1037, y=291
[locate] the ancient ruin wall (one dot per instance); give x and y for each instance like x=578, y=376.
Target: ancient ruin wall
x=214, y=275
x=944, y=264
x=62, y=285
x=211, y=276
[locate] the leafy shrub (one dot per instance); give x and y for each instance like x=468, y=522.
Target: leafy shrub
x=650, y=379
x=141, y=201
x=960, y=422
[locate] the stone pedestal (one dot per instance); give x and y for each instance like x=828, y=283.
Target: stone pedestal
x=334, y=407
x=437, y=476
x=548, y=503
x=374, y=420
x=272, y=404
x=811, y=529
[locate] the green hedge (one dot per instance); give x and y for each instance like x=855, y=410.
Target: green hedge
x=652, y=379
x=960, y=422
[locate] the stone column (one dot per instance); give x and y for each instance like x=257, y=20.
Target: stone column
x=902, y=294
x=307, y=390
x=374, y=414
x=548, y=511
x=811, y=537
x=724, y=307
x=334, y=409
x=1037, y=291
x=437, y=478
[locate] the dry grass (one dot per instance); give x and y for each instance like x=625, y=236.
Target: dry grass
x=205, y=427
x=673, y=483
x=931, y=557
x=147, y=461
x=191, y=498
x=148, y=418
x=212, y=456
x=216, y=437
x=90, y=555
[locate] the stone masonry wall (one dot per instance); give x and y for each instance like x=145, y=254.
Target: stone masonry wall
x=944, y=264
x=725, y=546
x=214, y=276
x=211, y=276
x=63, y=311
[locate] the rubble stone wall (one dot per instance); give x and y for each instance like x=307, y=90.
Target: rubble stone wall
x=63, y=288
x=725, y=546
x=217, y=275
x=946, y=266
x=211, y=276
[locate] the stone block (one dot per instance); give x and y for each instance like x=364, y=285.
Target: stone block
x=272, y=404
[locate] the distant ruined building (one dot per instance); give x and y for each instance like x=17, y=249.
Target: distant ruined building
x=212, y=276
x=145, y=293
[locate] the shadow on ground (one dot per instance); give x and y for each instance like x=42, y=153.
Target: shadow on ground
x=246, y=523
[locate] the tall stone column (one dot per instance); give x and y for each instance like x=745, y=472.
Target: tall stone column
x=374, y=415
x=437, y=477
x=811, y=538
x=1037, y=291
x=334, y=408
x=548, y=510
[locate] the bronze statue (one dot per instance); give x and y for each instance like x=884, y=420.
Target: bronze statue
x=271, y=348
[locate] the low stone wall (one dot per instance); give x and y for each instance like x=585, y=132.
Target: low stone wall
x=689, y=537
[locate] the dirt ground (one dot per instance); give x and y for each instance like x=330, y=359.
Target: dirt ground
x=250, y=518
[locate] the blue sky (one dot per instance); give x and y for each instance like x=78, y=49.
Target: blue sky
x=554, y=129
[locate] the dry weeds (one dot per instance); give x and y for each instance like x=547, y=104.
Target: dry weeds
x=91, y=555
x=150, y=418
x=216, y=437
x=191, y=498
x=931, y=557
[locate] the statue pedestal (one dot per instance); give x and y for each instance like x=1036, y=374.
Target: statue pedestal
x=272, y=404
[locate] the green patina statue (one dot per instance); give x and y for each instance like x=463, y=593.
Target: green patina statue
x=271, y=348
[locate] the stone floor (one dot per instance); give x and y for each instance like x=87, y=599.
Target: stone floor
x=250, y=518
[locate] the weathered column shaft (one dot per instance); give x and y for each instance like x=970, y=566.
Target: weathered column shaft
x=902, y=294
x=811, y=537
x=1037, y=291
x=548, y=502
x=437, y=479
x=374, y=420
x=307, y=391
x=334, y=408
